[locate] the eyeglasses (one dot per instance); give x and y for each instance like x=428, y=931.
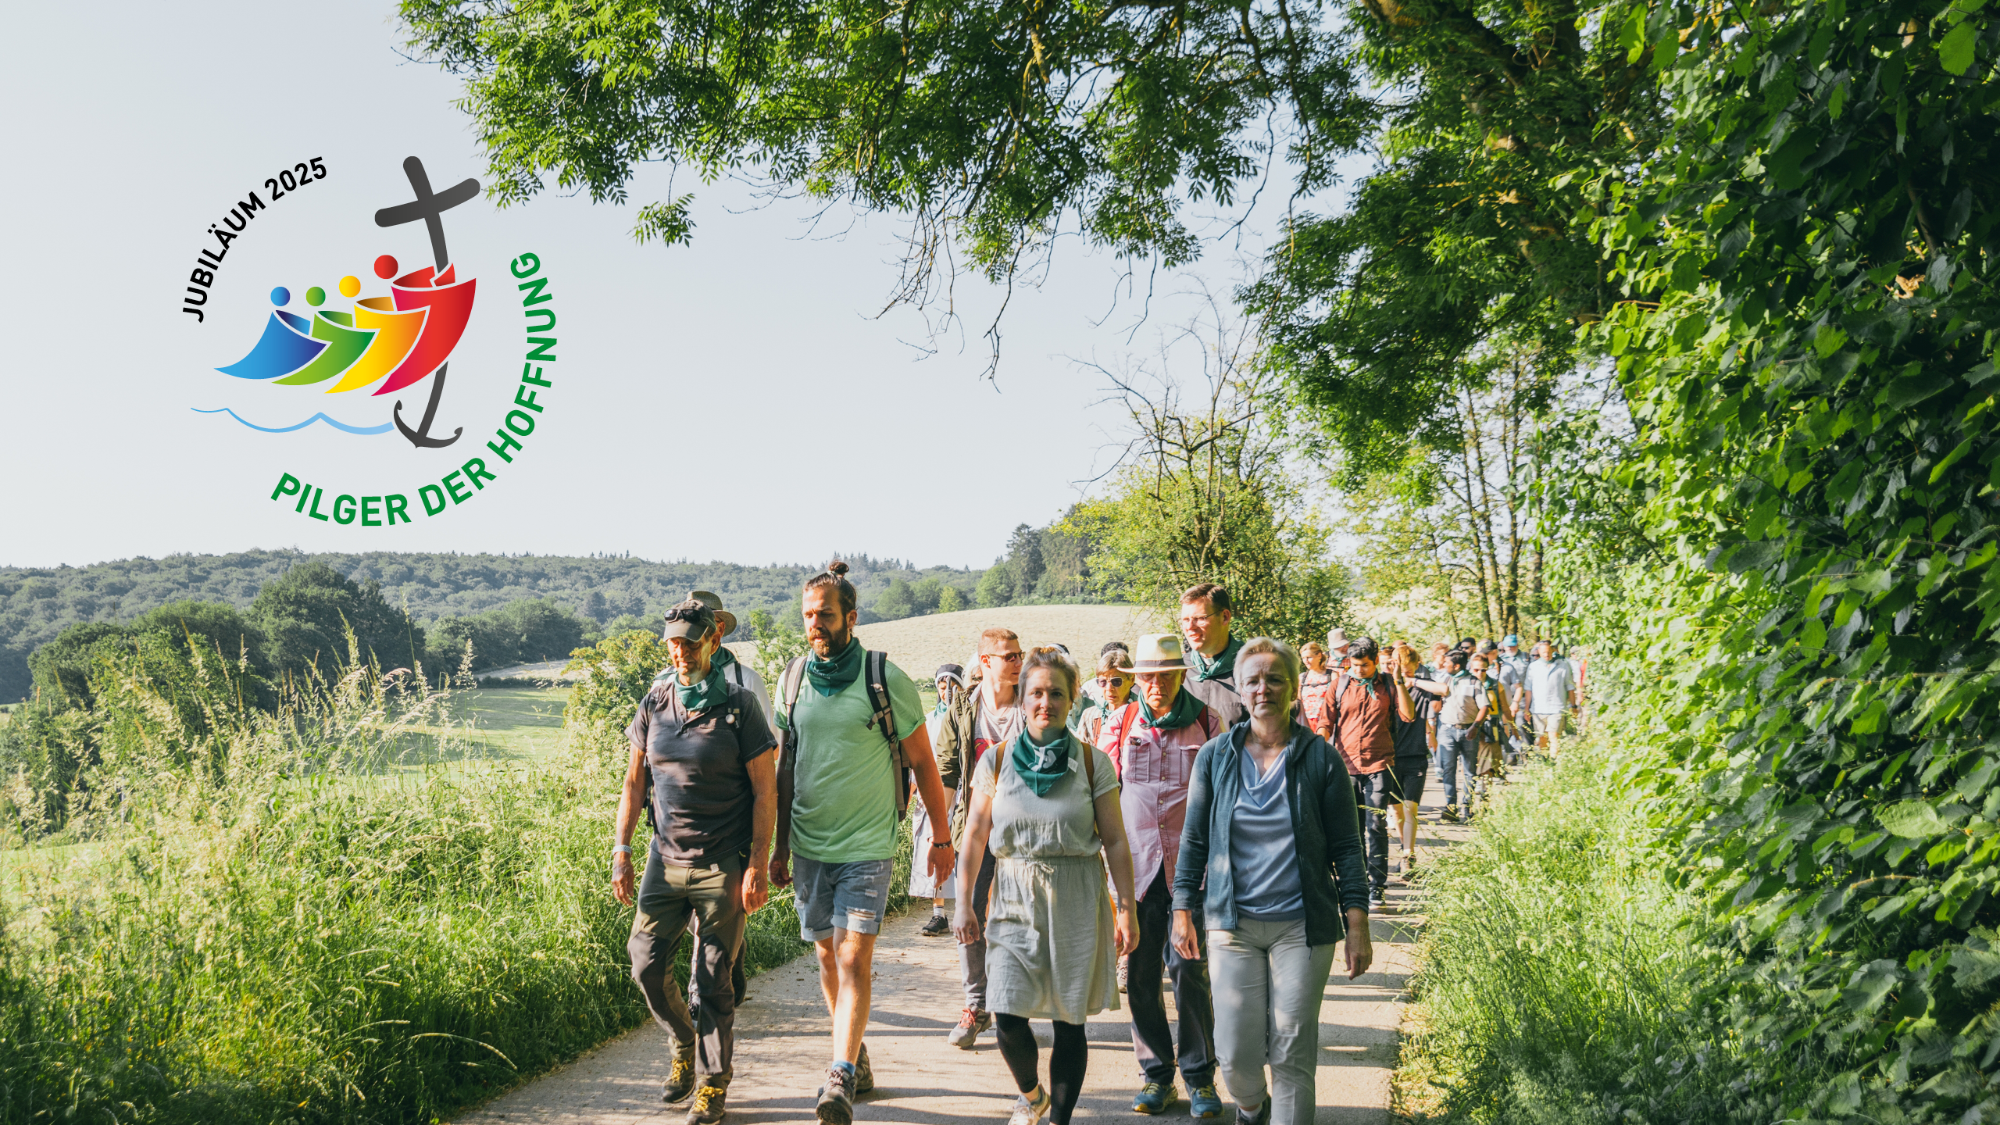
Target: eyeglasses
x=1111, y=681
x=1009, y=657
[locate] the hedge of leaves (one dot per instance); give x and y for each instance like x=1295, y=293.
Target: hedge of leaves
x=1808, y=344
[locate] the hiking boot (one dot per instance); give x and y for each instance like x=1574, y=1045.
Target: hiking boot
x=836, y=1098
x=938, y=926
x=1204, y=1102
x=680, y=1079
x=1259, y=1116
x=1449, y=815
x=707, y=1108
x=864, y=1075
x=1377, y=899
x=1029, y=1110
x=1154, y=1098
x=970, y=1023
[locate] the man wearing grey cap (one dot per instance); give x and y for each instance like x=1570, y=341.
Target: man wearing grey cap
x=702, y=746
x=734, y=670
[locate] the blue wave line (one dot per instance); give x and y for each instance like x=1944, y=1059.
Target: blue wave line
x=321, y=417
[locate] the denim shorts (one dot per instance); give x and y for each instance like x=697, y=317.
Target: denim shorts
x=852, y=896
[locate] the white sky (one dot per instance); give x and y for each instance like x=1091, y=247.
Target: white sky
x=704, y=397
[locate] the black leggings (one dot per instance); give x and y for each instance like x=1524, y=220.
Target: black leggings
x=1067, y=1060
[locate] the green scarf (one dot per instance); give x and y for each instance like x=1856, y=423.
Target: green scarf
x=723, y=658
x=831, y=676
x=1223, y=663
x=1186, y=709
x=1041, y=766
x=710, y=691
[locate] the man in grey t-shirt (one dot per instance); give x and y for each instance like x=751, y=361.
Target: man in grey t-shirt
x=702, y=747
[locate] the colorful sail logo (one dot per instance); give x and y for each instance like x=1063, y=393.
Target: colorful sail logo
x=381, y=343
x=387, y=343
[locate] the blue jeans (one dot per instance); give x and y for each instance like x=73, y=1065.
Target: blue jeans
x=1457, y=745
x=848, y=896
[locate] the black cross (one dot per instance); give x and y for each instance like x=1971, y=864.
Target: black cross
x=430, y=208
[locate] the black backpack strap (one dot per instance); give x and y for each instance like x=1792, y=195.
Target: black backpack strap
x=876, y=671
x=788, y=751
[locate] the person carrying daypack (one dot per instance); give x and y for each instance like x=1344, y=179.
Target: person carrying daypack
x=702, y=770
x=1365, y=702
x=854, y=741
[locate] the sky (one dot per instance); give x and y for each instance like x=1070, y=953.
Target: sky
x=740, y=399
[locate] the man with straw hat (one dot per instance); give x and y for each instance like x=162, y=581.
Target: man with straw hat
x=1153, y=741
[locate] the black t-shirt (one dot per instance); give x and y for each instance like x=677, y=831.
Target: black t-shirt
x=702, y=797
x=1411, y=741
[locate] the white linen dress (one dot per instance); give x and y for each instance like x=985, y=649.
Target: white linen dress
x=1045, y=959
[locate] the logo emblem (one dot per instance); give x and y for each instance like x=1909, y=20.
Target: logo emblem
x=376, y=342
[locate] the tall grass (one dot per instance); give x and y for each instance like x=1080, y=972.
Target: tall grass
x=1562, y=972
x=270, y=926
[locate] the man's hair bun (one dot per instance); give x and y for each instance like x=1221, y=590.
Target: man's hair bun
x=835, y=575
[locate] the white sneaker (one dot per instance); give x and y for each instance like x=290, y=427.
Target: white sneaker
x=1027, y=1112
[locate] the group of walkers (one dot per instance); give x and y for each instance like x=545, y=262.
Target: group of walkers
x=1203, y=808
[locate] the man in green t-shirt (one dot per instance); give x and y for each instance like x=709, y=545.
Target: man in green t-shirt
x=837, y=839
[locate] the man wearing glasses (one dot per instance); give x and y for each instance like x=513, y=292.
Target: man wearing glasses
x=985, y=718
x=1211, y=651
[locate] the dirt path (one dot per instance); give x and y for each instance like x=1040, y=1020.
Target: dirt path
x=782, y=1046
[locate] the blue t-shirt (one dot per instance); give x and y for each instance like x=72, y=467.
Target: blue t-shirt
x=1262, y=850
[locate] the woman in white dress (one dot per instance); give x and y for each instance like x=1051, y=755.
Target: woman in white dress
x=1046, y=806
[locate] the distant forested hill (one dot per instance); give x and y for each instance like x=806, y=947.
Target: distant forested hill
x=36, y=603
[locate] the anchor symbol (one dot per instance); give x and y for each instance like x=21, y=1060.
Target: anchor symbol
x=430, y=208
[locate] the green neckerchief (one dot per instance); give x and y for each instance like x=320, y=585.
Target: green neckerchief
x=1041, y=766
x=723, y=658
x=1223, y=663
x=707, y=692
x=1186, y=709
x=830, y=676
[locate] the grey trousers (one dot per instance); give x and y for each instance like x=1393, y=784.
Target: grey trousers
x=1268, y=987
x=668, y=897
x=972, y=958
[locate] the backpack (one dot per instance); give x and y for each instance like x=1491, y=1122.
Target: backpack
x=875, y=670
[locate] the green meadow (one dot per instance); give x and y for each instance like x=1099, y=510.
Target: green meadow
x=374, y=903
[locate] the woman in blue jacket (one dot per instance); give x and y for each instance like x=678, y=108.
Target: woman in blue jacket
x=1272, y=854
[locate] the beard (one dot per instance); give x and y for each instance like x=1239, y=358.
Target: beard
x=826, y=642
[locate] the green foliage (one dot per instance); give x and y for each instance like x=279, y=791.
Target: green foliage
x=1157, y=536
x=779, y=641
x=524, y=632
x=951, y=599
x=264, y=925
x=38, y=604
x=1806, y=346
x=998, y=123
x=996, y=586
x=616, y=674
x=1562, y=967
x=1475, y=227
x=308, y=614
